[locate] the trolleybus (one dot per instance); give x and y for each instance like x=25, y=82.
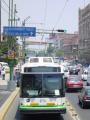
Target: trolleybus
x=42, y=87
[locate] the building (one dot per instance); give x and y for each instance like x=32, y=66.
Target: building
x=84, y=33
x=66, y=42
x=20, y=52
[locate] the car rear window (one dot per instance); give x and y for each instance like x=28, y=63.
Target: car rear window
x=75, y=78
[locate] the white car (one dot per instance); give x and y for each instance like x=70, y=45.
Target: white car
x=84, y=75
x=66, y=73
x=5, y=67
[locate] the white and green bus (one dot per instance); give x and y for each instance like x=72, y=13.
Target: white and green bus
x=42, y=87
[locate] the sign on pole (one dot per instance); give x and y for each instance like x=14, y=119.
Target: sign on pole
x=19, y=31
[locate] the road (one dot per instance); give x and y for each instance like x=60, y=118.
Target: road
x=84, y=114
x=44, y=117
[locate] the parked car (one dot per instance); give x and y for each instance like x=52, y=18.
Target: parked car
x=74, y=82
x=84, y=97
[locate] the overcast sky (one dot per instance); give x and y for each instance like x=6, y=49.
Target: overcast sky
x=47, y=14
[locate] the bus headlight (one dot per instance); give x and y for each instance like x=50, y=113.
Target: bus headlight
x=34, y=104
x=50, y=104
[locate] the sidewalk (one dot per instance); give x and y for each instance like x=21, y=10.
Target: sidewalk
x=4, y=92
x=4, y=83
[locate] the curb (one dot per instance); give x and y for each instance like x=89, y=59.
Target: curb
x=5, y=107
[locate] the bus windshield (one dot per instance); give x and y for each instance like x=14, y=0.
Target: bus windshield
x=42, y=69
x=34, y=85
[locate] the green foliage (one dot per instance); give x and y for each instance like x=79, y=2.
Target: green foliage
x=11, y=62
x=59, y=53
x=9, y=44
x=50, y=49
x=41, y=53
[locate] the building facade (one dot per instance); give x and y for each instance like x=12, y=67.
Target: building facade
x=84, y=33
x=66, y=42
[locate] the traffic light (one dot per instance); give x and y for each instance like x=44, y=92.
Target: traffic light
x=61, y=30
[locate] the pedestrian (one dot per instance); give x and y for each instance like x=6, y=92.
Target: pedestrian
x=3, y=73
x=0, y=69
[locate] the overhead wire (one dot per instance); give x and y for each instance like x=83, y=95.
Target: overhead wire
x=4, y=10
x=3, y=7
x=60, y=14
x=45, y=11
x=84, y=3
x=4, y=2
x=45, y=15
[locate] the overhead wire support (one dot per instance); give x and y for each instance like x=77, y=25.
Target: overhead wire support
x=40, y=31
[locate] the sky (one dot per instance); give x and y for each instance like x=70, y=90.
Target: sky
x=47, y=14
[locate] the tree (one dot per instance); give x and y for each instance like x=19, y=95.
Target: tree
x=59, y=53
x=9, y=44
x=50, y=50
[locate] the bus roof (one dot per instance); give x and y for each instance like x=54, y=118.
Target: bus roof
x=39, y=61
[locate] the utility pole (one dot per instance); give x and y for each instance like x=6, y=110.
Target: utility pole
x=0, y=20
x=12, y=13
x=15, y=20
x=11, y=62
x=23, y=38
x=15, y=13
x=9, y=13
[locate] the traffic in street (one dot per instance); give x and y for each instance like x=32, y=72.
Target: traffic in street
x=45, y=60
x=84, y=114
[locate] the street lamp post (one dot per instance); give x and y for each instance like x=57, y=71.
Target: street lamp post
x=0, y=20
x=23, y=39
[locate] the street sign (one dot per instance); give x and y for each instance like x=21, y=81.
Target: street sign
x=19, y=31
x=11, y=54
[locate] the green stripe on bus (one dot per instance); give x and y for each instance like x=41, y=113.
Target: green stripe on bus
x=41, y=108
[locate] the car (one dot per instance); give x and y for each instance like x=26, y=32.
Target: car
x=73, y=71
x=88, y=80
x=5, y=66
x=84, y=97
x=66, y=73
x=84, y=75
x=74, y=82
